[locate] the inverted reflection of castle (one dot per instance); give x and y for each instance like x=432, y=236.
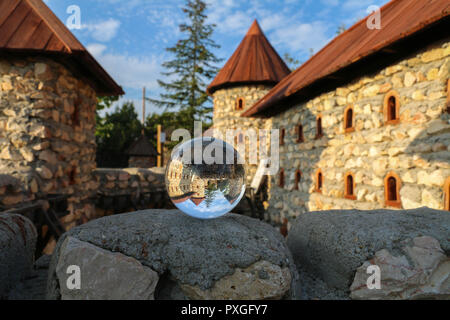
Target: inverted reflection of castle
x=199, y=183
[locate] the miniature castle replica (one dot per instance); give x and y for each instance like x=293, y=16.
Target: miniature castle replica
x=363, y=124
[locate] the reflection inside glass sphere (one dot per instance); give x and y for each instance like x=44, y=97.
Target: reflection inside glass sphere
x=205, y=178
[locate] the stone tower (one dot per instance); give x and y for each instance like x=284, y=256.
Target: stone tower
x=49, y=85
x=253, y=69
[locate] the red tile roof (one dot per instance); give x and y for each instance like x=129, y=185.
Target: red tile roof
x=197, y=201
x=399, y=19
x=255, y=61
x=30, y=26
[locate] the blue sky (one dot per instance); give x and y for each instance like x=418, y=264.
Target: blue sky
x=129, y=37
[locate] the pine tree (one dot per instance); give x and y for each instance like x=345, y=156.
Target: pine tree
x=191, y=68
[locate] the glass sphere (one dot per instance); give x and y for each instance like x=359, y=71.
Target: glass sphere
x=205, y=177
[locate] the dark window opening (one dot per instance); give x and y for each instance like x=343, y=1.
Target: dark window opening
x=392, y=109
x=319, y=129
x=319, y=182
x=349, y=119
x=281, y=181
x=282, y=134
x=300, y=137
x=298, y=178
x=76, y=114
x=392, y=189
x=240, y=104
x=72, y=174
x=350, y=187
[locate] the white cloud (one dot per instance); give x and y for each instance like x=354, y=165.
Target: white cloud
x=96, y=49
x=103, y=31
x=129, y=71
x=302, y=36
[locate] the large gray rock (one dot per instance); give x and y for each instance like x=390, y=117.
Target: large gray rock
x=104, y=275
x=17, y=246
x=329, y=246
x=422, y=273
x=230, y=257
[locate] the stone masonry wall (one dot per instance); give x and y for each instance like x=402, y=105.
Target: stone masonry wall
x=227, y=117
x=47, y=136
x=417, y=148
x=125, y=190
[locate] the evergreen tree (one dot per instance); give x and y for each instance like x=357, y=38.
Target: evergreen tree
x=292, y=62
x=191, y=68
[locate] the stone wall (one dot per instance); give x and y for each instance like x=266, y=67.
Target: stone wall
x=47, y=135
x=227, y=117
x=416, y=148
x=130, y=189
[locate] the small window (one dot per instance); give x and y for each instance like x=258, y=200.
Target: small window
x=240, y=104
x=76, y=116
x=350, y=187
x=241, y=138
x=319, y=181
x=319, y=129
x=72, y=174
x=282, y=135
x=392, y=191
x=299, y=133
x=349, y=119
x=298, y=178
x=447, y=194
x=392, y=108
x=281, y=179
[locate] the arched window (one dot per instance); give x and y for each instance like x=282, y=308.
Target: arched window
x=239, y=138
x=319, y=181
x=299, y=133
x=240, y=103
x=392, y=190
x=349, y=119
x=350, y=187
x=319, y=129
x=447, y=194
x=298, y=178
x=281, y=179
x=391, y=108
x=282, y=135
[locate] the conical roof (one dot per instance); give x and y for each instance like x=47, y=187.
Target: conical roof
x=30, y=26
x=255, y=61
x=142, y=147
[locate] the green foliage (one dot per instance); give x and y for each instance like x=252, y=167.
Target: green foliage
x=115, y=132
x=191, y=69
x=170, y=121
x=105, y=102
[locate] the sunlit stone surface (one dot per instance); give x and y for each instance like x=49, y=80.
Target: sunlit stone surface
x=205, y=178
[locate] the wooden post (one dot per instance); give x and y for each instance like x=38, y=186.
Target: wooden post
x=158, y=146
